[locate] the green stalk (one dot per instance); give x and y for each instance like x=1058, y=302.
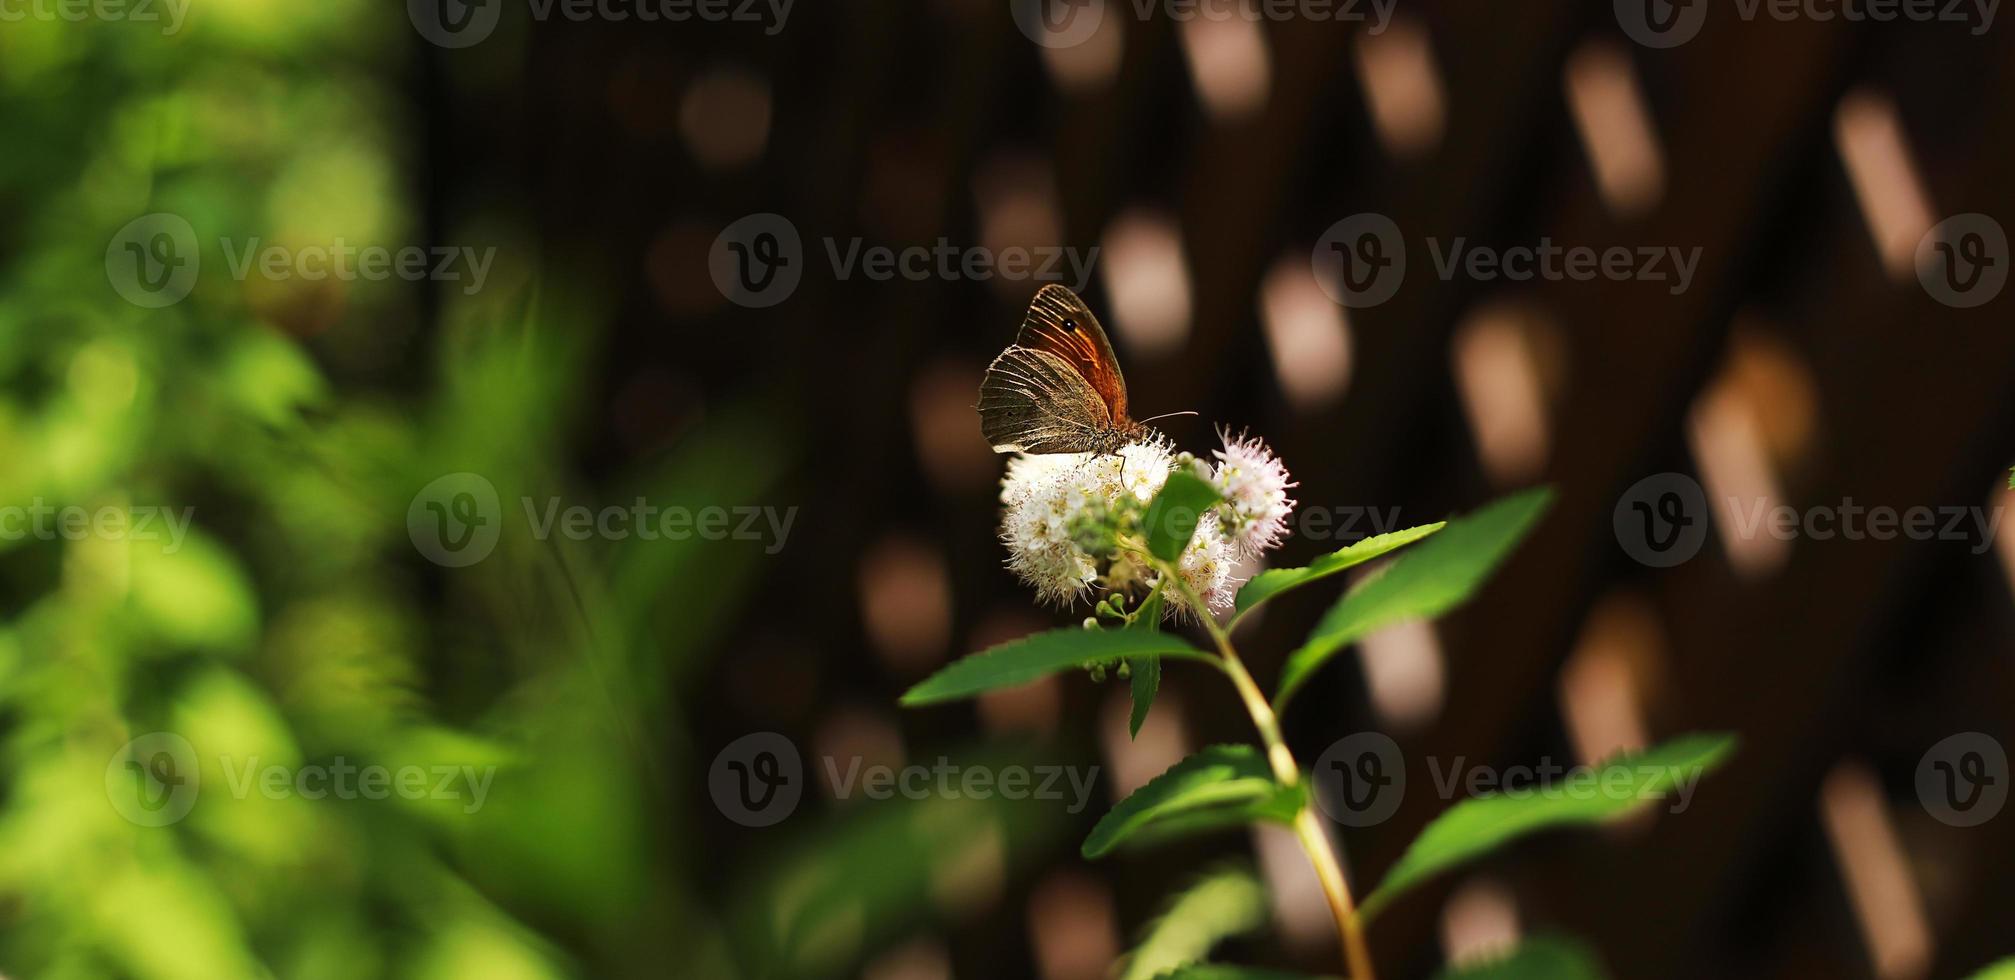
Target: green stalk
x=1307, y=825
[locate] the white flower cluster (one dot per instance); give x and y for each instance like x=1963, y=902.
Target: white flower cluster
x=1064, y=513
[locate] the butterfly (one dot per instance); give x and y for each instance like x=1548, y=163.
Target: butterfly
x=1058, y=388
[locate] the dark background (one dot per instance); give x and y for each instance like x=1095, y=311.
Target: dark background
x=1842, y=657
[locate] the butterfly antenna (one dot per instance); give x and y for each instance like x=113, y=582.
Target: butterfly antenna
x=1165, y=415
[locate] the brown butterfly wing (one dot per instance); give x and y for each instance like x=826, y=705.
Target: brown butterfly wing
x=1060, y=323
x=1033, y=401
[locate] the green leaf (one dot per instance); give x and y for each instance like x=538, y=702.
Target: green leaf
x=1216, y=971
x=2002, y=969
x=1537, y=958
x=1426, y=582
x=1172, y=515
x=1219, y=786
x=1034, y=657
x=1279, y=808
x=1224, y=903
x=1146, y=680
x=1274, y=581
x=1482, y=824
x=1146, y=669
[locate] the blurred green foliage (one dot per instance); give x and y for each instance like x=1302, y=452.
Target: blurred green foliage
x=297, y=625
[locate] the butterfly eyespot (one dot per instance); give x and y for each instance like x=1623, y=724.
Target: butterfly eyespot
x=1069, y=324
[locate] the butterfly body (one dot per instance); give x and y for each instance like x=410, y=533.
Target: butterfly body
x=1058, y=388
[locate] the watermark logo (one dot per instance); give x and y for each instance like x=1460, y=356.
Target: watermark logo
x=1963, y=261
x=1360, y=780
x=759, y=260
x=1057, y=23
x=1361, y=260
x=153, y=780
x=454, y=23
x=757, y=780
x=1963, y=780
x=152, y=262
x=1661, y=520
x=455, y=520
x=1661, y=23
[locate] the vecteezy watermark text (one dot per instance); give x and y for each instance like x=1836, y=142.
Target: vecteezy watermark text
x=463, y=23
x=456, y=520
x=1360, y=780
x=944, y=260
x=1360, y=261
x=343, y=780
x=371, y=263
x=155, y=779
x=1662, y=520
x=168, y=13
x=1068, y=23
x=1580, y=263
x=649, y=522
x=759, y=260
x=154, y=260
x=1346, y=523
x=1670, y=23
x=758, y=779
x=46, y=522
x=948, y=780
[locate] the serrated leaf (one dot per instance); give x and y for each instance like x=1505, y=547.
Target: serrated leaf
x=1224, y=903
x=1217, y=787
x=1172, y=515
x=1146, y=681
x=1426, y=582
x=1034, y=657
x=1537, y=958
x=1482, y=824
x=1279, y=808
x=1146, y=669
x=1275, y=581
x=1218, y=971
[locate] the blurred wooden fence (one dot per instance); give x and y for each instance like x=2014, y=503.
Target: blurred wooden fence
x=1802, y=158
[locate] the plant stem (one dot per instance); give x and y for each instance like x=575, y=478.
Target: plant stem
x=1307, y=825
